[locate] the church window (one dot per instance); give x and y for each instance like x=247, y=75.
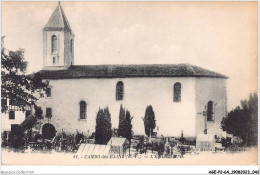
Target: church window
x=210, y=111
x=53, y=60
x=54, y=44
x=71, y=46
x=119, y=90
x=177, y=92
x=48, y=92
x=83, y=109
x=11, y=115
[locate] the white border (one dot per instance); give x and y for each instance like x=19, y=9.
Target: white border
x=173, y=169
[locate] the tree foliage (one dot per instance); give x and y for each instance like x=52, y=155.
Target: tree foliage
x=182, y=139
x=121, y=127
x=103, y=131
x=16, y=85
x=149, y=120
x=125, y=124
x=128, y=126
x=243, y=121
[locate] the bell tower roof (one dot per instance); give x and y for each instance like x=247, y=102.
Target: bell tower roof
x=58, y=21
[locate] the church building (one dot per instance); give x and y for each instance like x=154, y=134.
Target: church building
x=184, y=97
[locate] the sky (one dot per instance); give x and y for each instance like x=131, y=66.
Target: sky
x=219, y=36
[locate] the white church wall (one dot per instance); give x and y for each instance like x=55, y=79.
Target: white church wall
x=210, y=89
x=171, y=117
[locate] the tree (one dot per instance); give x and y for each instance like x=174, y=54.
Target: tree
x=19, y=88
x=121, y=124
x=125, y=124
x=182, y=139
x=128, y=126
x=22, y=90
x=107, y=125
x=149, y=120
x=103, y=131
x=243, y=121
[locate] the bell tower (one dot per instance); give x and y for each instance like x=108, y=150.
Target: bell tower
x=58, y=42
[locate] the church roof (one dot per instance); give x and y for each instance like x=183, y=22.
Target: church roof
x=58, y=21
x=124, y=71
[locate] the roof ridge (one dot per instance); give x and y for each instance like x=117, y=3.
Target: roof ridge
x=62, y=20
x=138, y=70
x=129, y=65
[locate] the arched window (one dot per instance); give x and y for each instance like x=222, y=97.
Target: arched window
x=54, y=44
x=71, y=46
x=210, y=111
x=83, y=109
x=119, y=90
x=177, y=92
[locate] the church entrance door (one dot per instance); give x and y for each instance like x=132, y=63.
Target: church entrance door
x=48, y=131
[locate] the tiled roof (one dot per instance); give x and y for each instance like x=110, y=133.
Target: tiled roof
x=58, y=21
x=123, y=71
